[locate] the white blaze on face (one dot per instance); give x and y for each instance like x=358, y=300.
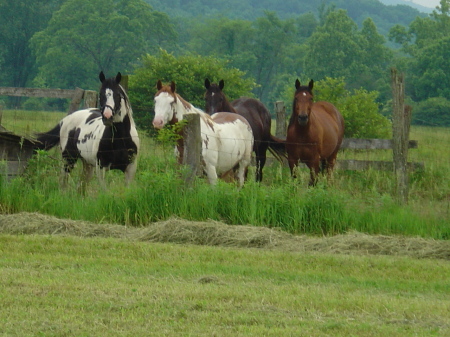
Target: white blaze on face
x=107, y=113
x=163, y=110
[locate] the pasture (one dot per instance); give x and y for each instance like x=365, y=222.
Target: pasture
x=84, y=279
x=160, y=258
x=355, y=200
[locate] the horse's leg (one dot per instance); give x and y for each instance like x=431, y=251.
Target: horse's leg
x=314, y=170
x=323, y=166
x=68, y=167
x=211, y=174
x=242, y=169
x=331, y=162
x=86, y=176
x=130, y=172
x=292, y=165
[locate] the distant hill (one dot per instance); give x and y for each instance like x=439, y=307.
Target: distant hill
x=408, y=3
x=383, y=15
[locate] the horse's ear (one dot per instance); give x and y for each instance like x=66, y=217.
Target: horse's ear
x=159, y=85
x=221, y=84
x=311, y=85
x=118, y=77
x=207, y=83
x=101, y=76
x=172, y=86
x=297, y=84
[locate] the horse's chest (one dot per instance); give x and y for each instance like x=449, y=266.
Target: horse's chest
x=302, y=142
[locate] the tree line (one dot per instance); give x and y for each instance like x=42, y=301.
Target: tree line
x=65, y=43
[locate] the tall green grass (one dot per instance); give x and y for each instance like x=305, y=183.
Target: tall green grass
x=361, y=201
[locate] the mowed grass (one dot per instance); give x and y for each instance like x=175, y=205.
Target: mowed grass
x=68, y=286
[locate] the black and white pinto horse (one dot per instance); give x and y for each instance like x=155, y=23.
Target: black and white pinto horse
x=227, y=138
x=104, y=139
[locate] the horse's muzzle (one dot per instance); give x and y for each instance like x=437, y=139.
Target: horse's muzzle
x=302, y=119
x=107, y=121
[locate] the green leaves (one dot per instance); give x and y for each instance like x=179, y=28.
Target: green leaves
x=86, y=36
x=189, y=73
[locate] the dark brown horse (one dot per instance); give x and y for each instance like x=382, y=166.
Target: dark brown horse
x=314, y=134
x=256, y=114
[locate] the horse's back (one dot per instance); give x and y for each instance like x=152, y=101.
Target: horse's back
x=256, y=114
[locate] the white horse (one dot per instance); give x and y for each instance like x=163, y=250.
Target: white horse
x=104, y=138
x=227, y=138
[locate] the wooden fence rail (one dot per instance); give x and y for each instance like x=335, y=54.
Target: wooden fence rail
x=75, y=95
x=15, y=150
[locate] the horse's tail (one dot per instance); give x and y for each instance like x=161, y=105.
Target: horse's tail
x=49, y=139
x=277, y=148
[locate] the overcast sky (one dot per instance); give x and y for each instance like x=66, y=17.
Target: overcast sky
x=427, y=3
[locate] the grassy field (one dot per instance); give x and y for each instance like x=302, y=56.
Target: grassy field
x=146, y=277
x=363, y=201
x=69, y=286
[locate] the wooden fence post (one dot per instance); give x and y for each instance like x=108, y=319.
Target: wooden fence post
x=192, y=146
x=90, y=99
x=401, y=120
x=76, y=100
x=280, y=111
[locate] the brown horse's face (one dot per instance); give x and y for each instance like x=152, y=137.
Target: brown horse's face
x=214, y=97
x=302, y=106
x=303, y=101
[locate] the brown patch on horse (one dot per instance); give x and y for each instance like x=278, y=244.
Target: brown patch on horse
x=228, y=117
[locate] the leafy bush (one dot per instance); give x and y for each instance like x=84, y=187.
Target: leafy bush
x=189, y=73
x=434, y=111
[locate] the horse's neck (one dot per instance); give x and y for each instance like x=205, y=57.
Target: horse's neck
x=182, y=109
x=227, y=107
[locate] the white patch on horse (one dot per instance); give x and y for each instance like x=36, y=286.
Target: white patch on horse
x=108, y=112
x=304, y=94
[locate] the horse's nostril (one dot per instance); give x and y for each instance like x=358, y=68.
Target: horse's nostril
x=303, y=118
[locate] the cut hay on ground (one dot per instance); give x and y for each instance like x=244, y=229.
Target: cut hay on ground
x=214, y=233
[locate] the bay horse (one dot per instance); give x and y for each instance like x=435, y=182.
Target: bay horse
x=104, y=138
x=258, y=117
x=314, y=134
x=227, y=138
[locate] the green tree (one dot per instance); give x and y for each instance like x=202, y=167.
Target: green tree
x=426, y=42
x=333, y=49
x=338, y=49
x=20, y=20
x=189, y=73
x=86, y=36
x=433, y=111
x=272, y=38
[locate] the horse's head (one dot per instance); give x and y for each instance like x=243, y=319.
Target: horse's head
x=214, y=98
x=111, y=95
x=165, y=104
x=303, y=101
